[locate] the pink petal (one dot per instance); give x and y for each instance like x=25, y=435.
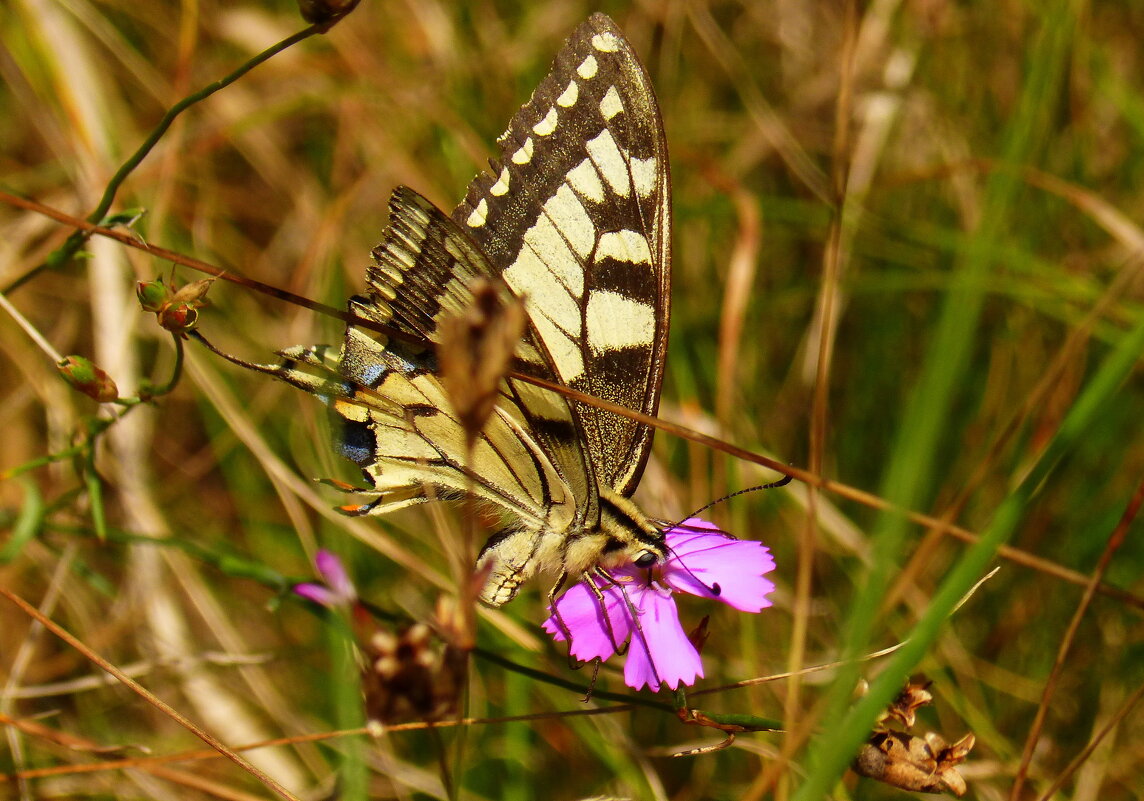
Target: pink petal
x=581, y=612
x=316, y=593
x=706, y=562
x=330, y=568
x=660, y=652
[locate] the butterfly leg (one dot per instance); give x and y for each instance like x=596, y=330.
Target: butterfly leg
x=598, y=591
x=573, y=663
x=561, y=580
x=637, y=630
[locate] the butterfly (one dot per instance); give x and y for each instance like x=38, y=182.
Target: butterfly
x=574, y=218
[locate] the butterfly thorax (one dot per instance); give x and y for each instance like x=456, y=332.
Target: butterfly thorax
x=623, y=534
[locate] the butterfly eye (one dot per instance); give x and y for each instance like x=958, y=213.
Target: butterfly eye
x=646, y=559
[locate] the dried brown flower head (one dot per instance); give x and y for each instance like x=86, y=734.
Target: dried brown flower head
x=411, y=675
x=476, y=350
x=924, y=765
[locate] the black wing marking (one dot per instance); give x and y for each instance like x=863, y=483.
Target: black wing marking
x=423, y=269
x=576, y=215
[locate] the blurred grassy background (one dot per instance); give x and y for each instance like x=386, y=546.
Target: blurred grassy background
x=983, y=264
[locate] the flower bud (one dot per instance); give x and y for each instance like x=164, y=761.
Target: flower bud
x=88, y=379
x=153, y=295
x=178, y=317
x=177, y=309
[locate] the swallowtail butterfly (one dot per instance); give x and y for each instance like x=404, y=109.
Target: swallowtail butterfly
x=575, y=217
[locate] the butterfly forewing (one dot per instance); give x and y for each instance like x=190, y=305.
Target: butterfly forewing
x=575, y=214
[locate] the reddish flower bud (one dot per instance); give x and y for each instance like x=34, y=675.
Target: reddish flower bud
x=88, y=379
x=177, y=309
x=178, y=317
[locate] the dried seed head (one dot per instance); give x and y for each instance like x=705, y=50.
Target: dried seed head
x=913, y=696
x=904, y=707
x=924, y=765
x=476, y=349
x=410, y=675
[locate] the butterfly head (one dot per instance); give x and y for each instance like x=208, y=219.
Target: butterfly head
x=647, y=559
x=624, y=536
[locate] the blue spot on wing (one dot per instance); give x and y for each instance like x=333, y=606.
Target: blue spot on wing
x=357, y=443
x=365, y=374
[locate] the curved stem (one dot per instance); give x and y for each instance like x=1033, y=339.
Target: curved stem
x=74, y=242
x=176, y=371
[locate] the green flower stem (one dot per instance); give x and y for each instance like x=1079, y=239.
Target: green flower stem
x=27, y=525
x=539, y=675
x=74, y=242
x=94, y=485
x=176, y=371
x=733, y=721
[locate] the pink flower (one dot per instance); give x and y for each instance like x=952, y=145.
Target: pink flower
x=638, y=604
x=337, y=591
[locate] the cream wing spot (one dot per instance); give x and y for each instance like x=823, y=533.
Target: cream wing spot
x=530, y=277
x=568, y=98
x=568, y=215
x=606, y=42
x=586, y=180
x=625, y=245
x=610, y=162
x=541, y=402
x=611, y=105
x=479, y=215
x=549, y=245
x=615, y=322
x=644, y=175
x=547, y=125
x=565, y=353
x=588, y=67
x=501, y=186
x=524, y=154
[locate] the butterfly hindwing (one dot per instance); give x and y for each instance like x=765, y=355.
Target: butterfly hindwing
x=423, y=269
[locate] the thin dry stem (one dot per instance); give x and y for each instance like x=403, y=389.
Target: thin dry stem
x=145, y=694
x=1115, y=540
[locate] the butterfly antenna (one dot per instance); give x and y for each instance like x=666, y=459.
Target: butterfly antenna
x=782, y=482
x=714, y=587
